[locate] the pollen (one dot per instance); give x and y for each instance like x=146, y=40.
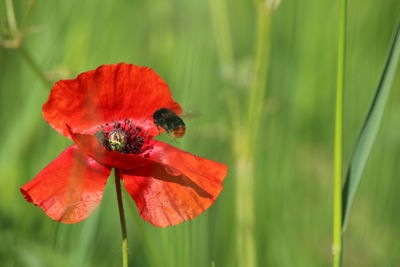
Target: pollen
x=124, y=137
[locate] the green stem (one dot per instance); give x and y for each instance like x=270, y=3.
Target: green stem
x=223, y=35
x=17, y=37
x=257, y=92
x=122, y=219
x=12, y=23
x=245, y=141
x=338, y=159
x=35, y=67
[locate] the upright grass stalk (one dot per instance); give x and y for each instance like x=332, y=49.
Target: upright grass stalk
x=34, y=66
x=16, y=38
x=222, y=33
x=338, y=154
x=247, y=123
x=121, y=219
x=255, y=103
x=246, y=141
x=12, y=23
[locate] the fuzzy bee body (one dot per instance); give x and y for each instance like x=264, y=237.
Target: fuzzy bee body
x=169, y=121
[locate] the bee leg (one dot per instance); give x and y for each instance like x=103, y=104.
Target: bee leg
x=159, y=129
x=171, y=137
x=174, y=139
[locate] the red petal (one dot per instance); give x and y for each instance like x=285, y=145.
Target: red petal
x=111, y=92
x=168, y=195
x=69, y=188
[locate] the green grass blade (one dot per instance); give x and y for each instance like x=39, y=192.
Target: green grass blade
x=371, y=126
x=338, y=139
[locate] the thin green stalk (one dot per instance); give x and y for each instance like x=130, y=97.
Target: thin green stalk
x=219, y=12
x=121, y=219
x=257, y=90
x=26, y=18
x=222, y=33
x=17, y=37
x=246, y=141
x=246, y=130
x=34, y=66
x=12, y=23
x=338, y=158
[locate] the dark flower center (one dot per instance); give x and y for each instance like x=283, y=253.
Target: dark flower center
x=124, y=137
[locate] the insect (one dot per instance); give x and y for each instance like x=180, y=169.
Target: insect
x=169, y=121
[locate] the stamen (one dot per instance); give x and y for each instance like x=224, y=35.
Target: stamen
x=122, y=136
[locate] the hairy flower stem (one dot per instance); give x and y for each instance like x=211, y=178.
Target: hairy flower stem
x=338, y=158
x=121, y=218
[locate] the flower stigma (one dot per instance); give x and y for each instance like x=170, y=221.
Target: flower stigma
x=117, y=140
x=124, y=137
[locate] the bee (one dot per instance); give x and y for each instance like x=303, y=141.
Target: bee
x=169, y=121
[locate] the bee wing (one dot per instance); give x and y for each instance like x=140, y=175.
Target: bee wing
x=189, y=115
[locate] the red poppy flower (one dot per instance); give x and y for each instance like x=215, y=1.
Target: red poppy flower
x=106, y=113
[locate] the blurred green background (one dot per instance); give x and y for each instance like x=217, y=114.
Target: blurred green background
x=183, y=40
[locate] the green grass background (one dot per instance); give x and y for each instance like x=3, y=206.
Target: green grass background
x=293, y=165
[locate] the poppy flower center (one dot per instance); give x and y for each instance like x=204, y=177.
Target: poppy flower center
x=124, y=137
x=117, y=140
